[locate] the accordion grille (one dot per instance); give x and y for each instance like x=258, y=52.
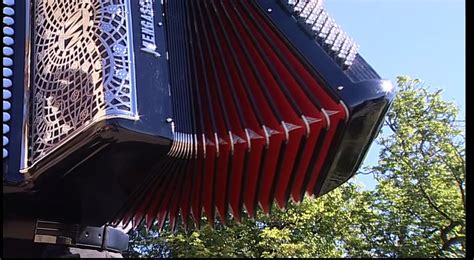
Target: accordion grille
x=82, y=70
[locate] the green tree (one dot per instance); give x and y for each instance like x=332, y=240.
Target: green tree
x=421, y=177
x=311, y=228
x=417, y=208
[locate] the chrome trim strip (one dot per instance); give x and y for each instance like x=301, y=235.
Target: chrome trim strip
x=133, y=89
x=26, y=101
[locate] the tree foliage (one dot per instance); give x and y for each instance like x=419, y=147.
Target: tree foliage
x=421, y=176
x=417, y=208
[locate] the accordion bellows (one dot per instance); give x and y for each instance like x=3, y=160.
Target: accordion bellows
x=188, y=108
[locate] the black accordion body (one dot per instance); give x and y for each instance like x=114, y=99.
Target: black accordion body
x=119, y=111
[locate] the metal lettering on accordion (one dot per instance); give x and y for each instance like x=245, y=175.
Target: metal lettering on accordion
x=145, y=111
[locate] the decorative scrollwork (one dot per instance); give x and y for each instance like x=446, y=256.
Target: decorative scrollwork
x=82, y=70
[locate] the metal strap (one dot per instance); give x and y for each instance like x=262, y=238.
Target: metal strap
x=102, y=238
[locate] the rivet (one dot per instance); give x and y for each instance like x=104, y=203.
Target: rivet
x=6, y=105
x=8, y=11
x=340, y=88
x=7, y=83
x=269, y=10
x=7, y=72
x=8, y=20
x=8, y=30
x=6, y=129
x=7, y=51
x=9, y=2
x=169, y=120
x=160, y=24
x=7, y=61
x=7, y=94
x=8, y=40
x=6, y=117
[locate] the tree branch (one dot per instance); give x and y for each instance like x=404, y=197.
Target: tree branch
x=432, y=203
x=391, y=126
x=458, y=180
x=453, y=240
x=430, y=200
x=367, y=173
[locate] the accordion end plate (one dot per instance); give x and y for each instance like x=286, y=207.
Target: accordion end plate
x=367, y=115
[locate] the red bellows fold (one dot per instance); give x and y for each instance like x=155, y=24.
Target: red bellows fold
x=263, y=123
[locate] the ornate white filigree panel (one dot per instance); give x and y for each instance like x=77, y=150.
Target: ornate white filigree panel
x=82, y=69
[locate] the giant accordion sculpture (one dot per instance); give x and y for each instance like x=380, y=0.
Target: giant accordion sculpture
x=144, y=111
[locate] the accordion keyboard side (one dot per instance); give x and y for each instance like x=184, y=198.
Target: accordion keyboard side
x=14, y=31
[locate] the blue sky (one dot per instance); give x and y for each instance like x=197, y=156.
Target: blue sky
x=423, y=39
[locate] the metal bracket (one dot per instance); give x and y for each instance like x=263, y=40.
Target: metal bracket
x=99, y=238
